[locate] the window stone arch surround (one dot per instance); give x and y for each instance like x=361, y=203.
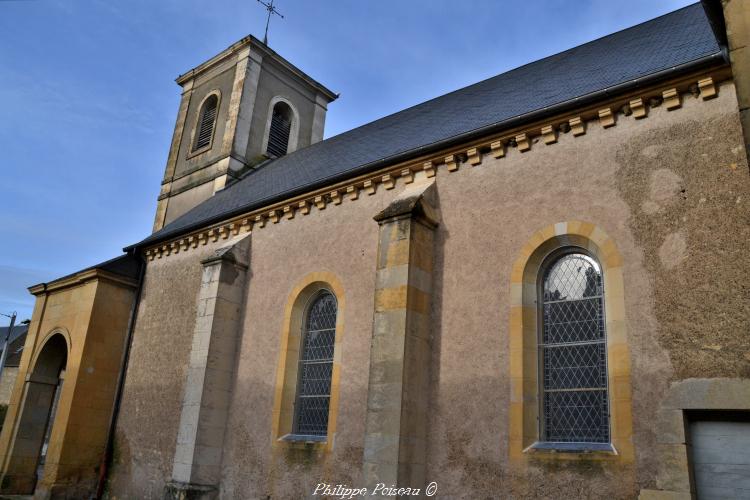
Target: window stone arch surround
x=287, y=366
x=197, y=122
x=523, y=338
x=293, y=131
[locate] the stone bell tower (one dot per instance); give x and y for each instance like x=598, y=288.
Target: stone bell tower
x=240, y=107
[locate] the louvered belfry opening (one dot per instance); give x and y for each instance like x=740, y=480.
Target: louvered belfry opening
x=206, y=123
x=573, y=352
x=278, y=134
x=316, y=367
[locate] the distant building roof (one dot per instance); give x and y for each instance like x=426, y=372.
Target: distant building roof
x=678, y=39
x=17, y=340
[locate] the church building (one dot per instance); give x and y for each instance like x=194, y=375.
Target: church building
x=532, y=287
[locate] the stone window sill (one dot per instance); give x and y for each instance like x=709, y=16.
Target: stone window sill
x=303, y=438
x=577, y=448
x=198, y=152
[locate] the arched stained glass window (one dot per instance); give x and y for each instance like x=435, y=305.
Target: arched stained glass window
x=573, y=351
x=206, y=120
x=278, y=133
x=316, y=366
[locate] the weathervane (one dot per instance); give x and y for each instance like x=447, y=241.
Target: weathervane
x=271, y=10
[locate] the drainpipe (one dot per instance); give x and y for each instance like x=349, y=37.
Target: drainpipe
x=107, y=456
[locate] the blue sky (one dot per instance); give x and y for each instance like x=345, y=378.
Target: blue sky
x=89, y=99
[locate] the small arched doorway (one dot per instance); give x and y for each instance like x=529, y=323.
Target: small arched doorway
x=36, y=420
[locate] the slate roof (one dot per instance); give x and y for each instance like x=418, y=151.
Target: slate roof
x=125, y=265
x=16, y=340
x=642, y=52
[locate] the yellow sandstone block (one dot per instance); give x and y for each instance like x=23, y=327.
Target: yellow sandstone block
x=620, y=389
x=516, y=390
x=585, y=229
x=418, y=300
x=391, y=298
x=616, y=332
x=516, y=422
x=516, y=294
x=398, y=253
x=547, y=233
x=574, y=227
x=619, y=360
x=515, y=448
x=516, y=273
x=516, y=363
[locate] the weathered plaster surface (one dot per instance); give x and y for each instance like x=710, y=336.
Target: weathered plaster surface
x=603, y=177
x=150, y=410
x=671, y=190
x=341, y=240
x=693, y=246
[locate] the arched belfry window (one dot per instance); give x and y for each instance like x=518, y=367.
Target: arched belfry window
x=206, y=122
x=278, y=132
x=316, y=366
x=573, y=350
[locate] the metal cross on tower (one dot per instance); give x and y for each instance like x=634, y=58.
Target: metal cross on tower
x=271, y=10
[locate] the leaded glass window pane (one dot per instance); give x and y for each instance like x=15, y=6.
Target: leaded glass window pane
x=316, y=367
x=573, y=352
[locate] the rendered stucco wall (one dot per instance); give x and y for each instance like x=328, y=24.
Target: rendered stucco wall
x=150, y=410
x=672, y=192
x=344, y=244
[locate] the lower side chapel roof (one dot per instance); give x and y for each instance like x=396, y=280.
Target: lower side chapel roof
x=680, y=40
x=127, y=266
